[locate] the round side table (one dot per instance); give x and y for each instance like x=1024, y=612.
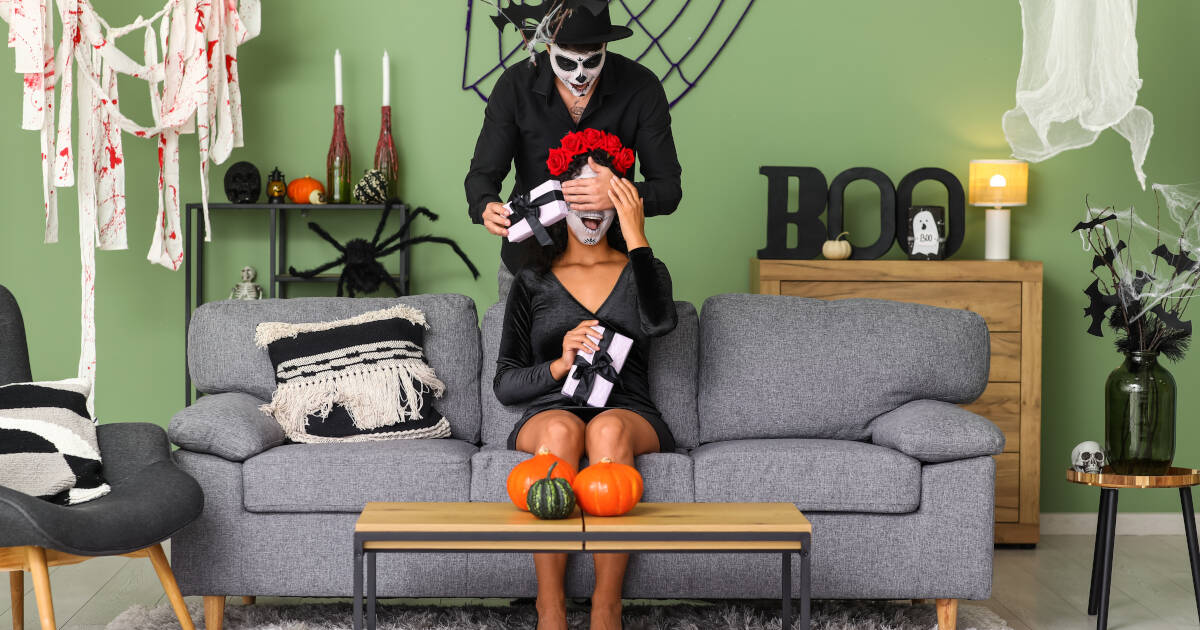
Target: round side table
x=1106, y=527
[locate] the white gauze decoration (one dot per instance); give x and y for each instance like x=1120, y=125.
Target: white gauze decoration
x=1078, y=77
x=193, y=89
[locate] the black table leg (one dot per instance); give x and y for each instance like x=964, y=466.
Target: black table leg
x=785, y=616
x=1098, y=554
x=1110, y=536
x=805, y=584
x=1189, y=528
x=371, y=590
x=358, y=586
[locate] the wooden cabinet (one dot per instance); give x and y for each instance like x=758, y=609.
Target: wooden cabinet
x=1008, y=294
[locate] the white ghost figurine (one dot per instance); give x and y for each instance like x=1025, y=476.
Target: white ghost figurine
x=1088, y=457
x=925, y=234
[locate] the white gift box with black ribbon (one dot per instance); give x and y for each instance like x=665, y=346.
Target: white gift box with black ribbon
x=593, y=375
x=533, y=211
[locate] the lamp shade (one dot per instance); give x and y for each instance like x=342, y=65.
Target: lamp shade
x=998, y=183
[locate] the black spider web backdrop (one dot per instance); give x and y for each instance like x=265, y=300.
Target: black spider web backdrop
x=679, y=40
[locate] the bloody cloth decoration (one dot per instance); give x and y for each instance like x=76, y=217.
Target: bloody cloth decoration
x=193, y=89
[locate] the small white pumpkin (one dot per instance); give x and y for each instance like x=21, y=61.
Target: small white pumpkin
x=836, y=249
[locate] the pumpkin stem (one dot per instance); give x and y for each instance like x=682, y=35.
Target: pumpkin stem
x=840, y=235
x=548, y=472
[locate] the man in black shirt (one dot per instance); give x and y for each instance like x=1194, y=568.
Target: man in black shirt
x=533, y=105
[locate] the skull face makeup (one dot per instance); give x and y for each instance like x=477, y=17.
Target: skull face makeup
x=578, y=71
x=589, y=226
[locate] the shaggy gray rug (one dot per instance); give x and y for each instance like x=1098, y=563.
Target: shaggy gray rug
x=718, y=615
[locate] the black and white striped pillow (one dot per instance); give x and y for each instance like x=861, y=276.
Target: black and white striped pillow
x=48, y=445
x=356, y=379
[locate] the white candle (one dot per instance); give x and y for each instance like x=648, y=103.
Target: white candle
x=337, y=77
x=387, y=81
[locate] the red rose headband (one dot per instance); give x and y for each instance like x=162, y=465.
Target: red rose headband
x=583, y=143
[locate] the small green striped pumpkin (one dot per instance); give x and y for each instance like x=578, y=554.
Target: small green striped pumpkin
x=551, y=498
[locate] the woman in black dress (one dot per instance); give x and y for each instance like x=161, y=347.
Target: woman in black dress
x=593, y=275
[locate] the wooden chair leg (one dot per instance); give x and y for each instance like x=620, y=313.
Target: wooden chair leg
x=947, y=611
x=249, y=600
x=214, y=611
x=36, y=557
x=16, y=590
x=165, y=575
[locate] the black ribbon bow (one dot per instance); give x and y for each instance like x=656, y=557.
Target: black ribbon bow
x=601, y=365
x=526, y=209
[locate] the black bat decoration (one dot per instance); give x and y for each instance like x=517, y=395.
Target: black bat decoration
x=1181, y=262
x=1170, y=320
x=520, y=15
x=1098, y=305
x=1108, y=256
x=1087, y=225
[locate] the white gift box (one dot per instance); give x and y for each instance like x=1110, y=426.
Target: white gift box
x=618, y=349
x=549, y=213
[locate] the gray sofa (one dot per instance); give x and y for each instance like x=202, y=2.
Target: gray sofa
x=846, y=409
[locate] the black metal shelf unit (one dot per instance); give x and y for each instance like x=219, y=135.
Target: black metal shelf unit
x=194, y=242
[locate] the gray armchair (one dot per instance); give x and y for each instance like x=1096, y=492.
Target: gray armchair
x=150, y=500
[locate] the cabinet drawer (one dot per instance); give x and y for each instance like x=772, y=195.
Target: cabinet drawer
x=1006, y=357
x=998, y=302
x=1001, y=403
x=1008, y=487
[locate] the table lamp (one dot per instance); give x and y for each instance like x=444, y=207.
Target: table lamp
x=998, y=185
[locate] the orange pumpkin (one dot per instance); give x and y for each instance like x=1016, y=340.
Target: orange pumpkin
x=524, y=474
x=306, y=190
x=608, y=488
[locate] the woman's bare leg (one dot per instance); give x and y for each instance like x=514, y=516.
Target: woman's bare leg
x=563, y=433
x=618, y=434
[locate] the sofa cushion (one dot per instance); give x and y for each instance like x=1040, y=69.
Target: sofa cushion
x=668, y=476
x=343, y=477
x=222, y=356
x=672, y=378
x=790, y=367
x=816, y=475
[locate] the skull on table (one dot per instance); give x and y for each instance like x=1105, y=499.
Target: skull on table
x=1088, y=457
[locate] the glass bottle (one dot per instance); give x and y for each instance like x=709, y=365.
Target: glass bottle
x=337, y=164
x=385, y=152
x=1139, y=416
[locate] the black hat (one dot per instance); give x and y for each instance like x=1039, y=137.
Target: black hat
x=587, y=22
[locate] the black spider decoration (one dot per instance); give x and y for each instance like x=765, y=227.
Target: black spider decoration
x=363, y=273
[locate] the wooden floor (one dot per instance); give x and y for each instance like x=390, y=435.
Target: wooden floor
x=1043, y=588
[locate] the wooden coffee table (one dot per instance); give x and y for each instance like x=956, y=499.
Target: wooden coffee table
x=649, y=527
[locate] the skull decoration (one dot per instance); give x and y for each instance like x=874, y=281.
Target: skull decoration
x=1088, y=457
x=243, y=183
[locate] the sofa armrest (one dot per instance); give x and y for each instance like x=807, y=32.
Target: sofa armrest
x=230, y=426
x=932, y=431
x=128, y=447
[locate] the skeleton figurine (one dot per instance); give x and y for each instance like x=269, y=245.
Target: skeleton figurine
x=1088, y=457
x=247, y=289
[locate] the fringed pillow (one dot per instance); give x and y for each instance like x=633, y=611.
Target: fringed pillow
x=352, y=380
x=48, y=446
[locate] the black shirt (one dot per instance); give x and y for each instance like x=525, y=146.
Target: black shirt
x=525, y=118
x=540, y=311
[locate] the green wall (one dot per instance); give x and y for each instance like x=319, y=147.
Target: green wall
x=874, y=83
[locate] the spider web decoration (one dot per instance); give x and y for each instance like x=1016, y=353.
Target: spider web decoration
x=679, y=58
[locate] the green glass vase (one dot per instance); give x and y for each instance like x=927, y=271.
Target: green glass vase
x=1139, y=416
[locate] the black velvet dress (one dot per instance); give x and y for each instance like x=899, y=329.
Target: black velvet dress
x=539, y=313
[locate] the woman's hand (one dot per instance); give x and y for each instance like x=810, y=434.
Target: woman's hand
x=495, y=219
x=581, y=337
x=630, y=211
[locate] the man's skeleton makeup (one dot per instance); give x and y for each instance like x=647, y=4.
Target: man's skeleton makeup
x=589, y=226
x=578, y=71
